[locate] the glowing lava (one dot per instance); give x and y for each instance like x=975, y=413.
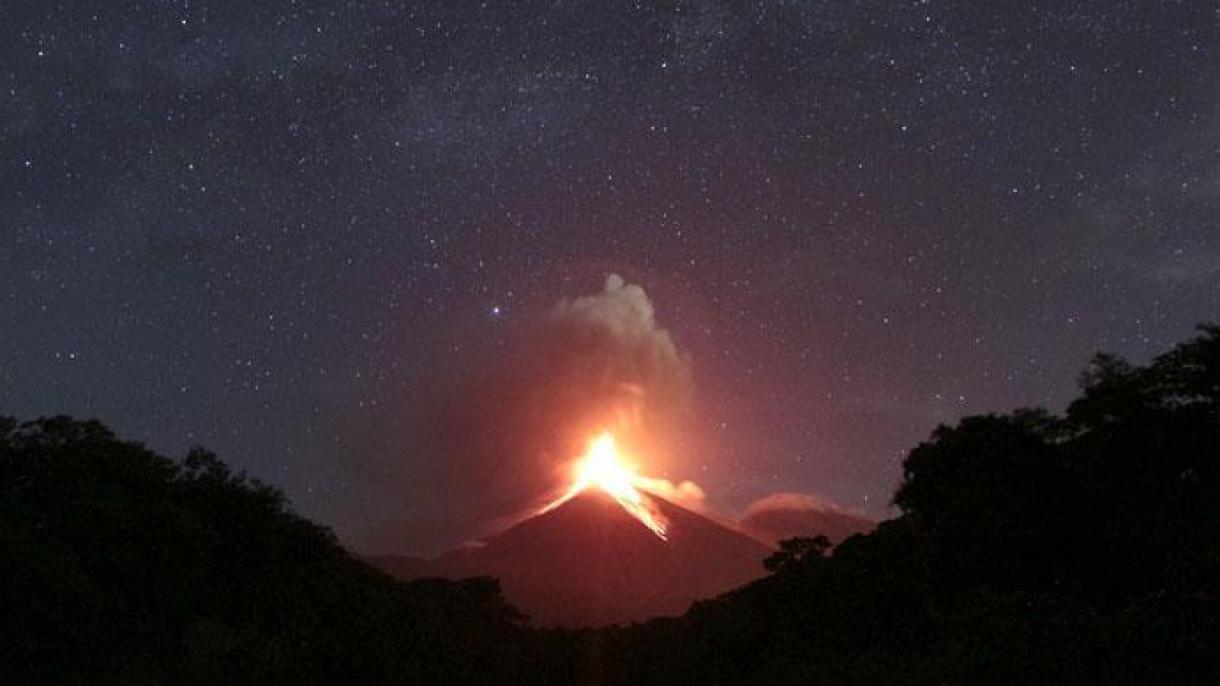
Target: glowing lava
x=602, y=467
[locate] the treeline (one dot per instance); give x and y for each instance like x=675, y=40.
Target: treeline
x=120, y=566
x=1031, y=548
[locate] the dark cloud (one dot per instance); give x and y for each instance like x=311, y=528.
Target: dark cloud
x=786, y=515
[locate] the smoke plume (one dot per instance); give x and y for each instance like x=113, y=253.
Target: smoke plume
x=506, y=425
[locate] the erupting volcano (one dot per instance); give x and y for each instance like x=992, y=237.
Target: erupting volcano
x=602, y=467
x=607, y=551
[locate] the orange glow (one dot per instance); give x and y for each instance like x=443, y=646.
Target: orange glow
x=603, y=467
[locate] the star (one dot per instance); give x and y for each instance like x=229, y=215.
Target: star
x=852, y=238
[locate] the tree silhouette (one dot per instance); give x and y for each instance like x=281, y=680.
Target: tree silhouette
x=797, y=552
x=120, y=566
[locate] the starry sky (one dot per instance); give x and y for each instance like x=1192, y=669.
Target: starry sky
x=264, y=227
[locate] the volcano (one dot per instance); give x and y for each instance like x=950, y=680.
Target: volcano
x=589, y=562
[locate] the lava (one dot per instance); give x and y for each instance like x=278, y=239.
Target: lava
x=603, y=467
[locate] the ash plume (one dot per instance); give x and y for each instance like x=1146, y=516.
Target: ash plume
x=503, y=429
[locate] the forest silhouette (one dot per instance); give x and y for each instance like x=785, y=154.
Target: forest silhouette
x=1030, y=547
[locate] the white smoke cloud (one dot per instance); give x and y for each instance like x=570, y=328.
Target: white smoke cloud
x=688, y=494
x=624, y=311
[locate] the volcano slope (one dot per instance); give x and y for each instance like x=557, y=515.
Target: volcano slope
x=588, y=562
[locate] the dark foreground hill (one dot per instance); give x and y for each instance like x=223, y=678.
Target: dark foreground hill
x=119, y=566
x=1031, y=548
x=590, y=563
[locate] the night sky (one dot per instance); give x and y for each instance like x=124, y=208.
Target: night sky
x=268, y=227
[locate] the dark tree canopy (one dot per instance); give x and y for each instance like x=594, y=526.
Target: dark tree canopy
x=1103, y=499
x=120, y=566
x=797, y=552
